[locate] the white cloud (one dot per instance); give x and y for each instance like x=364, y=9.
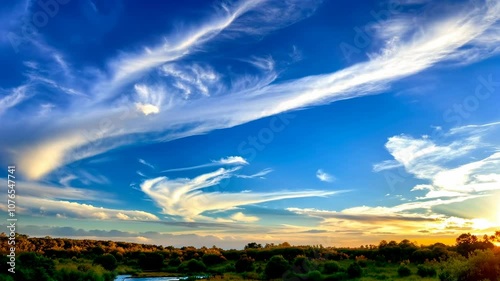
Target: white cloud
x=144, y=162
x=228, y=161
x=186, y=197
x=49, y=207
x=458, y=164
x=323, y=176
x=386, y=165
x=240, y=217
x=17, y=95
x=260, y=174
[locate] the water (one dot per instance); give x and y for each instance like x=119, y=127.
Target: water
x=129, y=278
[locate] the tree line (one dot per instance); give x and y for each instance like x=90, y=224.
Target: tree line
x=60, y=259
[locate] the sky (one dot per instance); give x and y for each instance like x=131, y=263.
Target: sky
x=227, y=122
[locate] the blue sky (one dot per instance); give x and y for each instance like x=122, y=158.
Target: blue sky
x=227, y=122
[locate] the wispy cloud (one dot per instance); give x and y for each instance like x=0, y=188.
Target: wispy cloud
x=144, y=162
x=240, y=217
x=60, y=208
x=323, y=176
x=228, y=161
x=446, y=162
x=68, y=202
x=260, y=174
x=386, y=165
x=11, y=99
x=240, y=97
x=187, y=198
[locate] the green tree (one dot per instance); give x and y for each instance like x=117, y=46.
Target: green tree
x=245, y=263
x=253, y=245
x=331, y=267
x=108, y=261
x=34, y=267
x=354, y=270
x=276, y=267
x=151, y=261
x=192, y=266
x=301, y=264
x=212, y=259
x=404, y=271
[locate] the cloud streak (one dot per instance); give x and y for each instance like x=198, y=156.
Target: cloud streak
x=187, y=198
x=228, y=161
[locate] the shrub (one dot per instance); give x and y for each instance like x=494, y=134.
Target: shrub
x=245, y=263
x=331, y=267
x=354, y=270
x=276, y=267
x=151, y=261
x=34, y=266
x=362, y=263
x=404, y=271
x=174, y=262
x=301, y=264
x=107, y=261
x=212, y=259
x=192, y=266
x=426, y=271
x=314, y=276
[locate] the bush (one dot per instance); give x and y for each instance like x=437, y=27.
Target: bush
x=192, y=266
x=362, y=263
x=426, y=271
x=301, y=264
x=151, y=261
x=212, y=259
x=331, y=267
x=107, y=261
x=314, y=276
x=244, y=264
x=276, y=267
x=481, y=265
x=404, y=271
x=32, y=266
x=354, y=270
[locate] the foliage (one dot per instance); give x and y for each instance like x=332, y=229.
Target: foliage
x=467, y=243
x=481, y=265
x=330, y=267
x=301, y=264
x=32, y=266
x=276, y=267
x=192, y=266
x=314, y=275
x=213, y=259
x=404, y=270
x=244, y=264
x=354, y=270
x=426, y=271
x=107, y=261
x=151, y=261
